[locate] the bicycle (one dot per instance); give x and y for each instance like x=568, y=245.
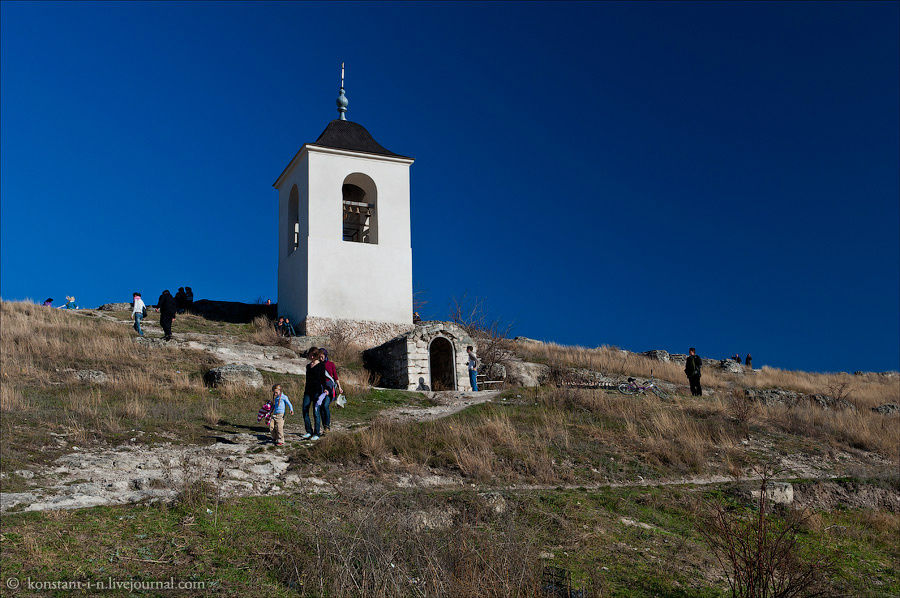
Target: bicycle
x=631, y=387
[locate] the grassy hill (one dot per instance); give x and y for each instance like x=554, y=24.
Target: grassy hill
x=610, y=490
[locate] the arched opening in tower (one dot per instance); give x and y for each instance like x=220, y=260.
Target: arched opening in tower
x=441, y=364
x=360, y=203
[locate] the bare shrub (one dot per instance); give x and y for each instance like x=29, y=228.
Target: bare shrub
x=760, y=552
x=742, y=408
x=490, y=334
x=841, y=391
x=263, y=333
x=193, y=479
x=344, y=344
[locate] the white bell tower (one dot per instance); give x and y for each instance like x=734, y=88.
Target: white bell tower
x=344, y=249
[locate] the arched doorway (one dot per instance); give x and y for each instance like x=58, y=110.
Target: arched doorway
x=441, y=364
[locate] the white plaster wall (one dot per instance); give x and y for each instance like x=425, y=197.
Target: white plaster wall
x=327, y=277
x=292, y=270
x=359, y=281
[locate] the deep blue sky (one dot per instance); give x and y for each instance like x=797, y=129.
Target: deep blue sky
x=645, y=175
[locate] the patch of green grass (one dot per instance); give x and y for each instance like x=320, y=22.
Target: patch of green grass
x=366, y=407
x=230, y=543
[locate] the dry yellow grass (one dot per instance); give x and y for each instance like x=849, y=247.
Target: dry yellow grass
x=555, y=435
x=605, y=359
x=147, y=388
x=38, y=344
x=867, y=390
x=860, y=428
x=11, y=400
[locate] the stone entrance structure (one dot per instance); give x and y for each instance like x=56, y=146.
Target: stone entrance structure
x=432, y=356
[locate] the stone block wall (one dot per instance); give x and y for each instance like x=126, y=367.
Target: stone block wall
x=404, y=361
x=361, y=332
x=389, y=361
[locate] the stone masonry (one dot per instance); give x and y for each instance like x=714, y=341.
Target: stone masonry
x=404, y=361
x=361, y=332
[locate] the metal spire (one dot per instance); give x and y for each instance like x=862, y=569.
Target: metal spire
x=342, y=101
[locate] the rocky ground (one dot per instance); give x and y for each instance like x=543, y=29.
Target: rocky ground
x=243, y=464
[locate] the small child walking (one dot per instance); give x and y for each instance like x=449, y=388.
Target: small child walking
x=277, y=426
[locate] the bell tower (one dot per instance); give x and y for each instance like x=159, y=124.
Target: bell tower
x=344, y=243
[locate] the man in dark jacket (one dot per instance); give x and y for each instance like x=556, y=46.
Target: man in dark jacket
x=692, y=370
x=180, y=300
x=166, y=307
x=188, y=299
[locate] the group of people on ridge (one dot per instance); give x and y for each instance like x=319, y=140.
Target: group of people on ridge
x=184, y=299
x=167, y=306
x=70, y=303
x=747, y=360
x=323, y=386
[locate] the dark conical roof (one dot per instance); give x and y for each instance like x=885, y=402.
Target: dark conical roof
x=346, y=135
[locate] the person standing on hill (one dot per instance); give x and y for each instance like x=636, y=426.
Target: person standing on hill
x=309, y=392
x=188, y=299
x=749, y=361
x=180, y=300
x=473, y=368
x=166, y=307
x=314, y=389
x=692, y=369
x=138, y=311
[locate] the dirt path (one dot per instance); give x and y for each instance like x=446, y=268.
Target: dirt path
x=230, y=350
x=236, y=465
x=448, y=403
x=248, y=465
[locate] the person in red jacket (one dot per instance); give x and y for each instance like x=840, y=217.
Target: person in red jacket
x=332, y=389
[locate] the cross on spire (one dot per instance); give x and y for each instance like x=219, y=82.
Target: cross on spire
x=342, y=101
